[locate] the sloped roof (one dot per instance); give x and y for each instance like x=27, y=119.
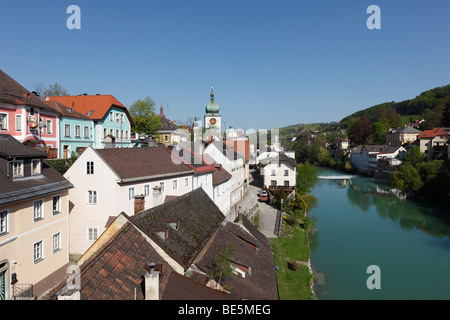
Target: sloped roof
x=11, y=92
x=198, y=218
x=281, y=157
x=66, y=111
x=220, y=175
x=95, y=107
x=185, y=150
x=166, y=124
x=251, y=251
x=142, y=162
x=407, y=129
x=49, y=181
x=426, y=134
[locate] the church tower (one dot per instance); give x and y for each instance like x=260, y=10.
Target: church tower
x=213, y=120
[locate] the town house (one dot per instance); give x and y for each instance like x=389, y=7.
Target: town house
x=76, y=130
x=34, y=217
x=278, y=171
x=107, y=181
x=112, y=122
x=433, y=142
x=26, y=117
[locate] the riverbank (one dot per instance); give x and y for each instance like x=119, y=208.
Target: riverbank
x=294, y=274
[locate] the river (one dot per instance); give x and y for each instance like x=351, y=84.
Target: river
x=359, y=225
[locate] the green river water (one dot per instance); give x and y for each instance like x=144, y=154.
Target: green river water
x=358, y=225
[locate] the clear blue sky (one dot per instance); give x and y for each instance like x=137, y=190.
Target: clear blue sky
x=272, y=63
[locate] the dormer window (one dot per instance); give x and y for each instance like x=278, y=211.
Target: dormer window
x=36, y=166
x=17, y=167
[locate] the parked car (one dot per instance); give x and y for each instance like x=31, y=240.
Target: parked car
x=263, y=196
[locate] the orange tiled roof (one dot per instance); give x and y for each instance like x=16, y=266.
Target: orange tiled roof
x=99, y=104
x=432, y=133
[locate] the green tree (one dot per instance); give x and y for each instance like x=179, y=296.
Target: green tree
x=146, y=121
x=306, y=177
x=379, y=133
x=406, y=178
x=445, y=121
x=414, y=156
x=222, y=267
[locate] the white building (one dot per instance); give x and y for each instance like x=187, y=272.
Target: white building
x=106, y=182
x=279, y=171
x=232, y=162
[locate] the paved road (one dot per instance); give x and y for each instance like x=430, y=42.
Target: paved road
x=267, y=213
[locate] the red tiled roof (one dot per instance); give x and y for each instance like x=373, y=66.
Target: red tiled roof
x=98, y=104
x=432, y=133
x=66, y=111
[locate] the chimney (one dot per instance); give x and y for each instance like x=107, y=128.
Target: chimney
x=139, y=203
x=151, y=279
x=157, y=196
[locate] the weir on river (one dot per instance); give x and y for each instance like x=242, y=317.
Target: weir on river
x=335, y=177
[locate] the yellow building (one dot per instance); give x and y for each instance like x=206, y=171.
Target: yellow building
x=34, y=212
x=170, y=134
x=402, y=135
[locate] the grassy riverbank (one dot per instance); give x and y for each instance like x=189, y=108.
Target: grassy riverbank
x=289, y=248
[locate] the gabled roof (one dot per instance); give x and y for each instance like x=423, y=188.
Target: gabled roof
x=281, y=157
x=166, y=124
x=95, y=107
x=406, y=129
x=11, y=92
x=66, y=111
x=145, y=162
x=428, y=134
x=252, y=252
x=198, y=218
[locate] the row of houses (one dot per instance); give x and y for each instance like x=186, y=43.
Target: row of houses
x=175, y=204
x=62, y=125
x=384, y=158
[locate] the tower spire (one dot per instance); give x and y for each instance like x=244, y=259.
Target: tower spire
x=212, y=94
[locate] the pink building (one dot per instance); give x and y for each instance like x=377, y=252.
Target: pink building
x=25, y=116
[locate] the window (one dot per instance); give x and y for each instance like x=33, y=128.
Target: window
x=286, y=172
x=38, y=212
x=126, y=134
x=117, y=117
x=67, y=130
x=273, y=183
x=105, y=132
x=49, y=126
x=166, y=138
x=111, y=116
x=162, y=185
x=41, y=127
x=3, y=222
x=92, y=197
x=3, y=121
x=117, y=133
x=36, y=166
x=121, y=134
x=174, y=185
x=146, y=190
x=92, y=234
x=89, y=167
x=186, y=181
x=17, y=168
x=286, y=183
x=131, y=193
x=18, y=122
x=56, y=242
x=56, y=204
x=121, y=118
x=273, y=172
x=86, y=132
x=38, y=251
x=77, y=131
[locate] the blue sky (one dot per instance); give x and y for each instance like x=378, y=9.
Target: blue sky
x=272, y=63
